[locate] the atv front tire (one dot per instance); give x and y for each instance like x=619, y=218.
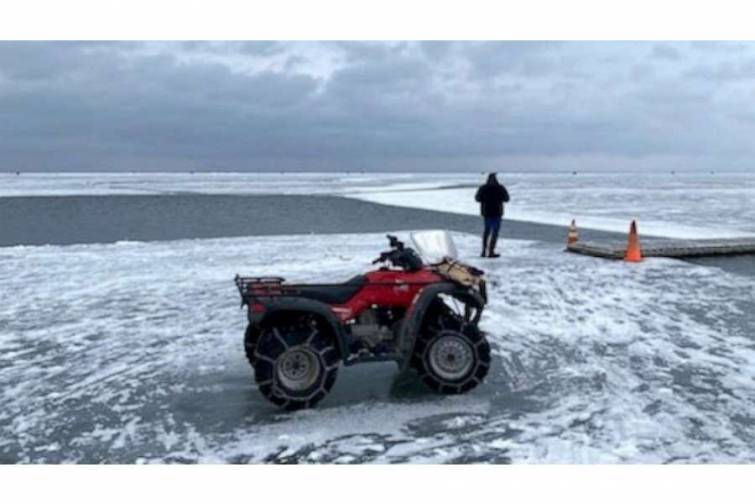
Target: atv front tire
x=452, y=356
x=295, y=364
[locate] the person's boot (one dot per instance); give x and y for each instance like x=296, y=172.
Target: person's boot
x=484, y=245
x=493, y=242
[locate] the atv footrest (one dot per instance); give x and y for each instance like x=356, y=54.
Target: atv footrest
x=359, y=359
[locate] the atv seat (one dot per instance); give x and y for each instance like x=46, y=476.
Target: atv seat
x=331, y=293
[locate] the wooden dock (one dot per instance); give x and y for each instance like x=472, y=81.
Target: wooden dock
x=663, y=247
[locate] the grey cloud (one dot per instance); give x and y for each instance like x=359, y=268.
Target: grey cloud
x=400, y=105
x=666, y=51
x=528, y=58
x=740, y=69
x=720, y=46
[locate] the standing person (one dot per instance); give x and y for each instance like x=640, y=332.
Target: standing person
x=491, y=196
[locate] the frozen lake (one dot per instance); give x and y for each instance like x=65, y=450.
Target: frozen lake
x=683, y=205
x=132, y=352
x=66, y=220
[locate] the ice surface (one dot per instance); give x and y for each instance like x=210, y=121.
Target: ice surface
x=684, y=205
x=65, y=184
x=133, y=352
x=677, y=206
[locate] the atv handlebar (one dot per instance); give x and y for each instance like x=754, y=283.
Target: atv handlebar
x=382, y=258
x=400, y=256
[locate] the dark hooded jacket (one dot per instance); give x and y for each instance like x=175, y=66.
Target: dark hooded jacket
x=492, y=195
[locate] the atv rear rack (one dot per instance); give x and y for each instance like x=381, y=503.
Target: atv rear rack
x=251, y=288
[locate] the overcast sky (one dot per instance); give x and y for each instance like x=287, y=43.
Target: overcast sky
x=246, y=106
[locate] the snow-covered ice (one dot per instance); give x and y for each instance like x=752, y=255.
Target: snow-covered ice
x=102, y=184
x=675, y=206
x=133, y=352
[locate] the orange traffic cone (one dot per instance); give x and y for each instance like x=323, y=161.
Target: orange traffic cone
x=572, y=237
x=634, y=252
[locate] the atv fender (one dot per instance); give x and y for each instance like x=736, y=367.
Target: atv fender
x=416, y=315
x=283, y=304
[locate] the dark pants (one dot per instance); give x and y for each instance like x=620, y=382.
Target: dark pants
x=492, y=226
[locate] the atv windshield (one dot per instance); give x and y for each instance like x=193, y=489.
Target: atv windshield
x=434, y=246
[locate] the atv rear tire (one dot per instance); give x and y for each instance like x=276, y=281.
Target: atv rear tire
x=295, y=363
x=452, y=356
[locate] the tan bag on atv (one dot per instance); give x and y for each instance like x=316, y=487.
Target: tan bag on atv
x=458, y=272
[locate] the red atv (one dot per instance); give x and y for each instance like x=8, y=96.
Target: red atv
x=420, y=315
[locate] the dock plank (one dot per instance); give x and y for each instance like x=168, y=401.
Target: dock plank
x=667, y=248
